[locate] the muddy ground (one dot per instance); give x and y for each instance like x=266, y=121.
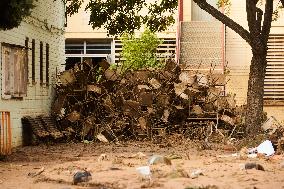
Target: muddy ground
x=53, y=166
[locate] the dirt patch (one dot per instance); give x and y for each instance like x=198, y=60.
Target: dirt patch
x=115, y=166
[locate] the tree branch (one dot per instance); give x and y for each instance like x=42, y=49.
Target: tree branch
x=251, y=16
x=267, y=20
x=225, y=20
x=259, y=14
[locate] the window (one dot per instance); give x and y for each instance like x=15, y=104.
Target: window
x=33, y=60
x=41, y=63
x=164, y=51
x=74, y=48
x=88, y=47
x=47, y=63
x=98, y=48
x=27, y=47
x=15, y=71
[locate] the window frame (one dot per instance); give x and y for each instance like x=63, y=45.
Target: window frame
x=14, y=72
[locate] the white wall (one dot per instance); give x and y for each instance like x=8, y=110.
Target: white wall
x=238, y=54
x=46, y=24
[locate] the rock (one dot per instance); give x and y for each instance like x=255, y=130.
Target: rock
x=82, y=176
x=253, y=166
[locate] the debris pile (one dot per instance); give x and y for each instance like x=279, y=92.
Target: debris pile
x=95, y=99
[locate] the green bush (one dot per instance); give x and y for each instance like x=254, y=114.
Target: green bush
x=139, y=53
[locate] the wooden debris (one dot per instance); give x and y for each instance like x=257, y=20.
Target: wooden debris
x=143, y=102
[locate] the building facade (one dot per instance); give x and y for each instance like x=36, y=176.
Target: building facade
x=30, y=56
x=84, y=42
x=204, y=42
x=200, y=42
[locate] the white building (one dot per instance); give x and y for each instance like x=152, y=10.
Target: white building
x=204, y=41
x=84, y=42
x=29, y=56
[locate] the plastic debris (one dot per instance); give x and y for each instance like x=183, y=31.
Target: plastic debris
x=82, y=176
x=155, y=159
x=266, y=148
x=144, y=171
x=196, y=173
x=251, y=166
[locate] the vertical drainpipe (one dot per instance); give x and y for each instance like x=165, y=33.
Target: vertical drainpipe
x=178, y=33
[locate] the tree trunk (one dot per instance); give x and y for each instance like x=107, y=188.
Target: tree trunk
x=254, y=111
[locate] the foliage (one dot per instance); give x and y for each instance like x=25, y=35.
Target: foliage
x=118, y=16
x=225, y=5
x=276, y=13
x=140, y=52
x=12, y=12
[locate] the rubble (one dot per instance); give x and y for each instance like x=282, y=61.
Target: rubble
x=98, y=102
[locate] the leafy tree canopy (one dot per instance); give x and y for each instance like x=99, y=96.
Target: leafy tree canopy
x=12, y=12
x=118, y=16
